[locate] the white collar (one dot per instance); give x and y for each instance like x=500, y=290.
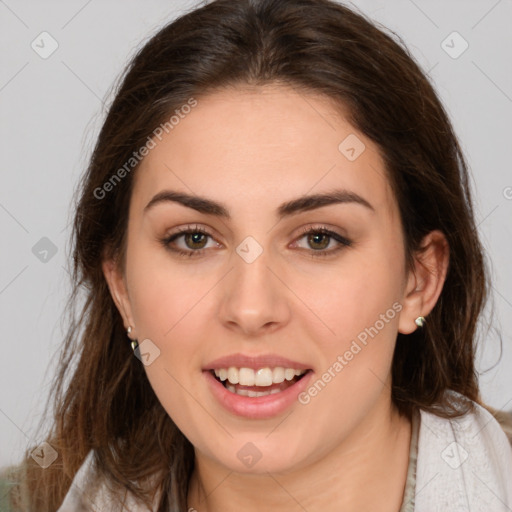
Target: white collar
x=464, y=464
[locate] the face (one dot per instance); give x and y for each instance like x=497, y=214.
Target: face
x=261, y=285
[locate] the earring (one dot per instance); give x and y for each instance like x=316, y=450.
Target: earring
x=134, y=343
x=420, y=321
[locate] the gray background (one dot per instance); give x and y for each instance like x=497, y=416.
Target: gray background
x=51, y=112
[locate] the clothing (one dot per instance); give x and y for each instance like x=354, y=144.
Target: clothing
x=410, y=484
x=463, y=464
x=455, y=465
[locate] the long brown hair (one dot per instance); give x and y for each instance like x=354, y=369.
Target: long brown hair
x=102, y=400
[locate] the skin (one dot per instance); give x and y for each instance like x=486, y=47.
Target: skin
x=252, y=150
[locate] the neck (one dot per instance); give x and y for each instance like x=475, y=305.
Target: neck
x=367, y=471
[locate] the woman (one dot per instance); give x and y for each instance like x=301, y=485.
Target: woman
x=283, y=280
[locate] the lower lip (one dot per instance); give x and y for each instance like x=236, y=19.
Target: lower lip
x=258, y=407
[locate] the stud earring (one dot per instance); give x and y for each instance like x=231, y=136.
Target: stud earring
x=420, y=321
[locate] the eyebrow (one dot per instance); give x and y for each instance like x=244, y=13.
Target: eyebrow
x=300, y=204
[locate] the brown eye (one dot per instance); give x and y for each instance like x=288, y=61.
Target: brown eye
x=195, y=240
x=192, y=241
x=319, y=240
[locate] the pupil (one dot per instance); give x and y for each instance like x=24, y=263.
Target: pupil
x=195, y=237
x=319, y=235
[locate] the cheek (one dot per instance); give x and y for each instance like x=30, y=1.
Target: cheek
x=353, y=296
x=180, y=396
x=168, y=306
x=361, y=305
x=356, y=362
x=164, y=296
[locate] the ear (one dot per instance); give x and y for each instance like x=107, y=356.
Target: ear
x=118, y=290
x=424, y=282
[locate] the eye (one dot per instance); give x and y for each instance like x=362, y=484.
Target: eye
x=320, y=239
x=195, y=240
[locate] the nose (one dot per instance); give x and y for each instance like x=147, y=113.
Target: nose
x=254, y=297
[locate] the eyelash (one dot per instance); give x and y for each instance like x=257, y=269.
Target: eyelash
x=344, y=242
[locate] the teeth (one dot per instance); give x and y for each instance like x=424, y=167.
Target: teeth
x=261, y=377
x=233, y=375
x=246, y=392
x=246, y=377
x=289, y=374
x=278, y=375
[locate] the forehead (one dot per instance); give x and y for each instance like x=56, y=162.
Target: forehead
x=258, y=146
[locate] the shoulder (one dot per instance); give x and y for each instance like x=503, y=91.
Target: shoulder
x=464, y=463
x=89, y=493
x=477, y=423
x=79, y=495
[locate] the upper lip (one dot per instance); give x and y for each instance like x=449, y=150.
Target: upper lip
x=254, y=362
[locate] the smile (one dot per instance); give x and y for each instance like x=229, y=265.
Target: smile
x=270, y=390
x=259, y=382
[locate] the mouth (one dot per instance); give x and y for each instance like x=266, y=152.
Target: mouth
x=256, y=386
x=254, y=383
